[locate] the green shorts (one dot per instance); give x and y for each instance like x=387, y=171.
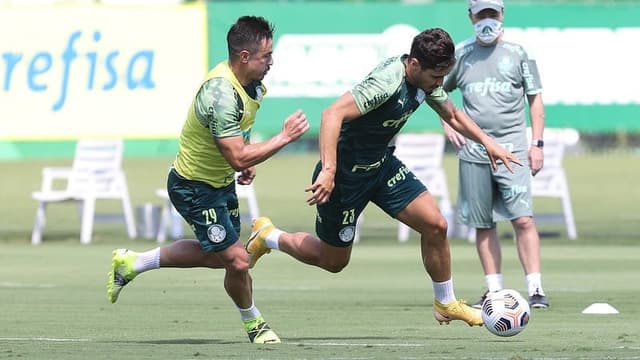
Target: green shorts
x=485, y=196
x=212, y=213
x=390, y=185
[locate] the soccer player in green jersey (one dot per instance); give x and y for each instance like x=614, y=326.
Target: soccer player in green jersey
x=495, y=77
x=214, y=145
x=357, y=166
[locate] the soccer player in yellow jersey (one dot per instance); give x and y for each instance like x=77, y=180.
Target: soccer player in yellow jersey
x=214, y=145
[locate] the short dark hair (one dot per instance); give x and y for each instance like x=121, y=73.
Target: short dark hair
x=247, y=33
x=434, y=49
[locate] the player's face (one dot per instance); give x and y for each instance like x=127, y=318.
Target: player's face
x=430, y=79
x=261, y=60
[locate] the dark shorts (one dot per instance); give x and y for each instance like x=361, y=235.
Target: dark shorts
x=391, y=186
x=212, y=213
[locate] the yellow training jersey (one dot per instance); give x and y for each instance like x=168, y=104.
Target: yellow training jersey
x=222, y=108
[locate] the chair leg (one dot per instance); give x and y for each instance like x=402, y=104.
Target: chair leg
x=88, y=214
x=403, y=232
x=568, y=217
x=356, y=237
x=165, y=220
x=128, y=217
x=38, y=227
x=253, y=206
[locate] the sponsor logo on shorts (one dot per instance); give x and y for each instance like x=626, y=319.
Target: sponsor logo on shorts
x=216, y=233
x=347, y=233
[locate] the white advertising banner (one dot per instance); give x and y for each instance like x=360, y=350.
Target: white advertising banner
x=99, y=71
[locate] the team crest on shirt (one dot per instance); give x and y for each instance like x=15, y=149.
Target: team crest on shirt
x=347, y=233
x=505, y=65
x=216, y=233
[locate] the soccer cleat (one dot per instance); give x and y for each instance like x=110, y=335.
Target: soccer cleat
x=256, y=245
x=121, y=272
x=457, y=310
x=260, y=333
x=538, y=301
x=478, y=304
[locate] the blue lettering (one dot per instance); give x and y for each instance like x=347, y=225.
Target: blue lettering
x=93, y=59
x=103, y=70
x=111, y=69
x=145, y=58
x=40, y=64
x=67, y=57
x=11, y=60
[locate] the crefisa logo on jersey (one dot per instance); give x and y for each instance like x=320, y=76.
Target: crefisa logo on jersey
x=216, y=233
x=347, y=234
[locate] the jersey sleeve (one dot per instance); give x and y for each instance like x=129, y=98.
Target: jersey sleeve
x=376, y=88
x=531, y=77
x=436, y=97
x=216, y=107
x=530, y=74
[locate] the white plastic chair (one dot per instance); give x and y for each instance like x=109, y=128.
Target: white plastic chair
x=551, y=181
x=96, y=173
x=422, y=153
x=170, y=218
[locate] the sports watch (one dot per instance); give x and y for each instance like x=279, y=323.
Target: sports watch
x=538, y=143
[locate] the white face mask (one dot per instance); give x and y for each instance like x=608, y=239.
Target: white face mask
x=488, y=30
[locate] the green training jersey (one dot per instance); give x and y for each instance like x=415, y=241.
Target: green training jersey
x=222, y=108
x=385, y=100
x=494, y=81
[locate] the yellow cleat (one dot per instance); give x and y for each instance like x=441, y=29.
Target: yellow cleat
x=256, y=245
x=457, y=310
x=260, y=333
x=121, y=272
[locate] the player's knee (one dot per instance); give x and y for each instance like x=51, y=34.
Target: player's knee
x=335, y=266
x=524, y=223
x=238, y=265
x=436, y=229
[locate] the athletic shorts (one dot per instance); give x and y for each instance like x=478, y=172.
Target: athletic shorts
x=485, y=196
x=390, y=185
x=212, y=213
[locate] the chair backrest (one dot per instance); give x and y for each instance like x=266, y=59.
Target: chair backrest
x=97, y=166
x=420, y=151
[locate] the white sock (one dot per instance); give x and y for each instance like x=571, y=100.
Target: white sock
x=249, y=314
x=443, y=291
x=147, y=260
x=534, y=284
x=494, y=282
x=272, y=239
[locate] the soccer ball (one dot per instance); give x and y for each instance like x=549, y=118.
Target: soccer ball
x=505, y=312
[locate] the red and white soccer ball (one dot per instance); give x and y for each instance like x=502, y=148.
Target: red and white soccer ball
x=505, y=312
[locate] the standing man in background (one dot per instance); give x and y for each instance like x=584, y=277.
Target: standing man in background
x=495, y=76
x=214, y=145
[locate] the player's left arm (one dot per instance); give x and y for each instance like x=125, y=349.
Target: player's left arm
x=460, y=122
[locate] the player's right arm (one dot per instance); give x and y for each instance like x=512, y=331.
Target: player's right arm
x=217, y=107
x=343, y=109
x=242, y=156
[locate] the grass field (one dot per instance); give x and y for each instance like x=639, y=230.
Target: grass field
x=54, y=305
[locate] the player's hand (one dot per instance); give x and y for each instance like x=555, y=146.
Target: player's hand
x=321, y=189
x=457, y=140
x=536, y=159
x=497, y=152
x=294, y=126
x=246, y=176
